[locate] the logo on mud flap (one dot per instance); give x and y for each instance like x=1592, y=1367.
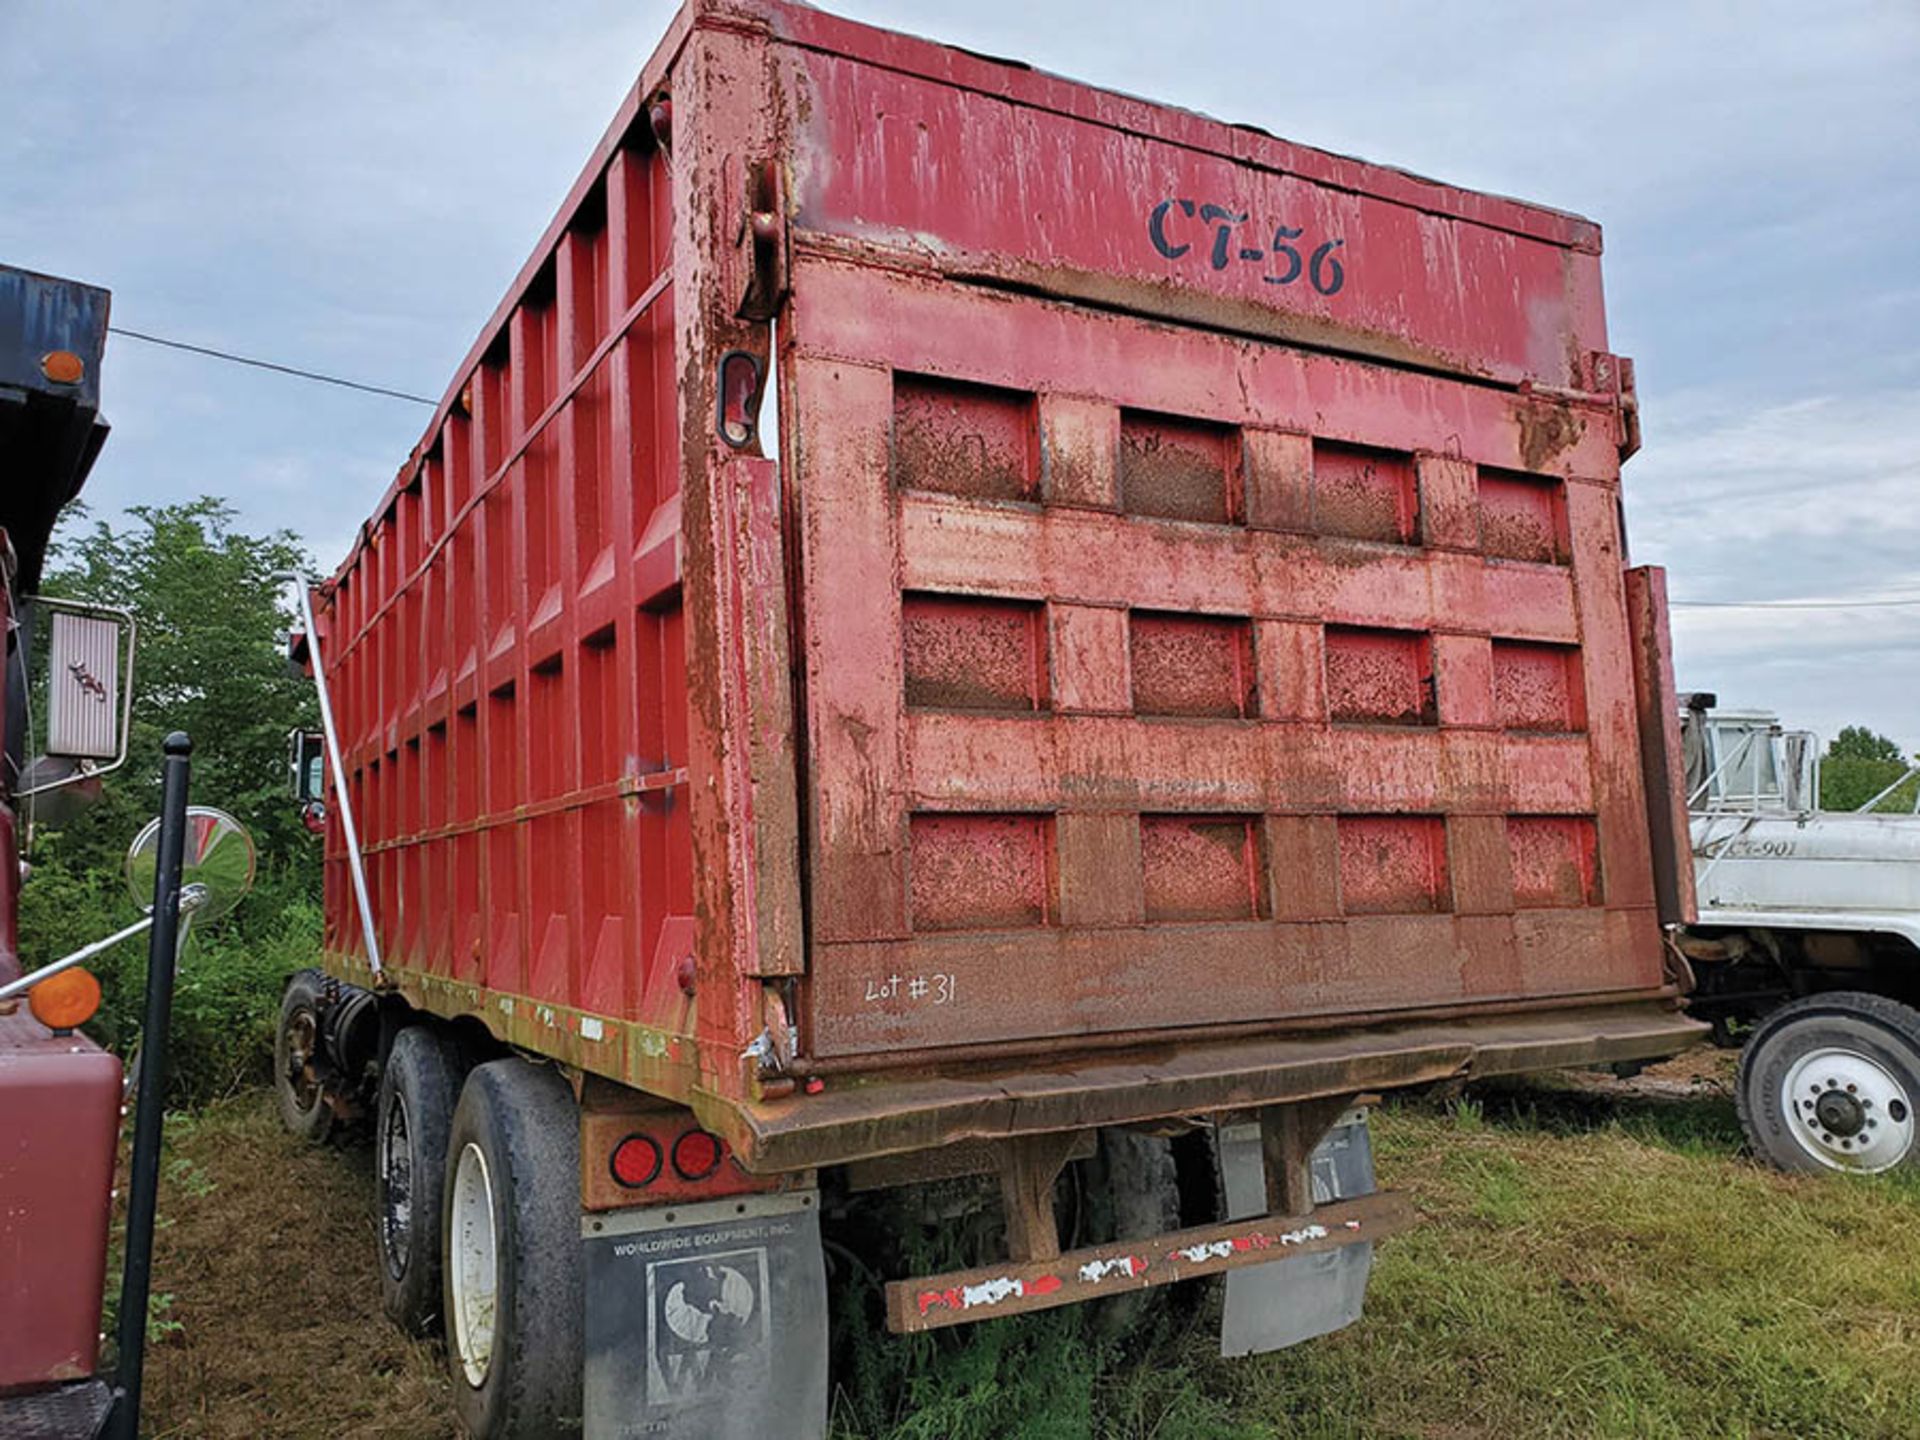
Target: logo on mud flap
x=706, y=1325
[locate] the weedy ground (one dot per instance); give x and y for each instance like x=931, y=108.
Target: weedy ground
x=1599, y=1259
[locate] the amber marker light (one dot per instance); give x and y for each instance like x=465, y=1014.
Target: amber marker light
x=65, y=1001
x=63, y=367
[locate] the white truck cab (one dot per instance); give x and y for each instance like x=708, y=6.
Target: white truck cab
x=1807, y=947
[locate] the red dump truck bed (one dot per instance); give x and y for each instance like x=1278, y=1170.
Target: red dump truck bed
x=1184, y=634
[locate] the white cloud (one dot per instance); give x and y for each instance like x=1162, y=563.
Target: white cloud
x=1826, y=465
x=1816, y=499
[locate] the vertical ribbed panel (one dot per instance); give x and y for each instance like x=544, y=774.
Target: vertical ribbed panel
x=83, y=688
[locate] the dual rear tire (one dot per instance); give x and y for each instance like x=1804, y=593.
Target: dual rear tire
x=477, y=1191
x=477, y=1213
x=419, y=1086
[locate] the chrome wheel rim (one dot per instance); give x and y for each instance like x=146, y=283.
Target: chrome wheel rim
x=396, y=1188
x=473, y=1268
x=1847, y=1111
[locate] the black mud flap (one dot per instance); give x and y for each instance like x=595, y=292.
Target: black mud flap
x=1269, y=1307
x=707, y=1321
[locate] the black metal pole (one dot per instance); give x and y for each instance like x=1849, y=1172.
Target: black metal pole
x=143, y=1184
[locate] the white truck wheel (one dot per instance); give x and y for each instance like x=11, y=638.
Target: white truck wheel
x=1830, y=1082
x=473, y=1265
x=511, y=1261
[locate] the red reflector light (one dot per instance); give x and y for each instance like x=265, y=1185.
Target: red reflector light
x=696, y=1155
x=636, y=1161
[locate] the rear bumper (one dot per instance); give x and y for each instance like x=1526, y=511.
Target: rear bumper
x=859, y=1118
x=934, y=1302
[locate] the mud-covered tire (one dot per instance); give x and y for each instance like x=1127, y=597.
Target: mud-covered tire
x=1131, y=1190
x=1133, y=1186
x=419, y=1087
x=510, y=1225
x=297, y=1059
x=1831, y=1082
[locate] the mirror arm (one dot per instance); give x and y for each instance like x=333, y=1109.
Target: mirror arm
x=192, y=897
x=78, y=957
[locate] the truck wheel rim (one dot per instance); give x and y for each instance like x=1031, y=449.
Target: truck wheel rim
x=396, y=1189
x=474, y=1270
x=1847, y=1111
x=301, y=1033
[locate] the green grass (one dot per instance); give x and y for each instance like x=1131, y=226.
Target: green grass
x=1591, y=1265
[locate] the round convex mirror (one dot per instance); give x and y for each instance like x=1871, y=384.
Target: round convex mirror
x=217, y=857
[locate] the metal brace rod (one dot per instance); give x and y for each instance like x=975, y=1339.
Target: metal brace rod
x=1905, y=775
x=78, y=957
x=356, y=865
x=1713, y=856
x=192, y=897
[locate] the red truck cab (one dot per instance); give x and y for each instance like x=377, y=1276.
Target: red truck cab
x=60, y=1093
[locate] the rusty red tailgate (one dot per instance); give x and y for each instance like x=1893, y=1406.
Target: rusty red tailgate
x=1210, y=584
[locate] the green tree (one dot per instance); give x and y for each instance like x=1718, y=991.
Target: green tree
x=209, y=661
x=1859, y=764
x=1857, y=742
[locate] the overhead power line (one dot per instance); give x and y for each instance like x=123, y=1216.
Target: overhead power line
x=341, y=381
x=1794, y=604
x=293, y=370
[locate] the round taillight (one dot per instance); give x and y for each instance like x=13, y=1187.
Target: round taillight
x=65, y=1001
x=696, y=1155
x=636, y=1161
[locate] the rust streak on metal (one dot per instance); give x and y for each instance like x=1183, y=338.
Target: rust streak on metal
x=1547, y=427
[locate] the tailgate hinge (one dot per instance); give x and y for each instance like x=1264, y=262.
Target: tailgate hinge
x=1612, y=376
x=762, y=236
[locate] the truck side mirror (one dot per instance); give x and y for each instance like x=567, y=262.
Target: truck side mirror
x=89, y=690
x=83, y=687
x=1801, y=777
x=216, y=865
x=307, y=766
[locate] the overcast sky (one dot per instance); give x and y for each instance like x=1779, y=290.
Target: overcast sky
x=349, y=188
